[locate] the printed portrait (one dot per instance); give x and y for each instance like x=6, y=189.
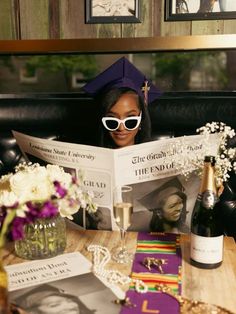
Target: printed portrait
x=82, y=294
x=164, y=205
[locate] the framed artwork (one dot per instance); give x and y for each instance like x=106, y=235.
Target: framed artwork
x=180, y=10
x=112, y=11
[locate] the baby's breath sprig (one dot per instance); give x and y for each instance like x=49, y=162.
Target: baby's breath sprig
x=225, y=159
x=187, y=161
x=188, y=158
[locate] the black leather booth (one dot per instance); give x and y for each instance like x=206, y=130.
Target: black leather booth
x=73, y=118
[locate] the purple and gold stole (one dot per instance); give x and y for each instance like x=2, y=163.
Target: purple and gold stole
x=160, y=246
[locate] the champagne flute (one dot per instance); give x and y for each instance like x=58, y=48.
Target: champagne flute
x=122, y=211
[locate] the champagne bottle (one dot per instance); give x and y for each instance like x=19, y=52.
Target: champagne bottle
x=206, y=249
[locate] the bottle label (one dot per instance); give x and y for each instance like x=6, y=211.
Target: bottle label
x=208, y=199
x=206, y=250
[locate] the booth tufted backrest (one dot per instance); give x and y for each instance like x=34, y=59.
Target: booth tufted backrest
x=177, y=114
x=73, y=118
x=58, y=117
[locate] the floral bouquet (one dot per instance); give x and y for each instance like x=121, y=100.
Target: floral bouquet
x=35, y=191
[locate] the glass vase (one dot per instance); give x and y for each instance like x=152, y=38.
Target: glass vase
x=44, y=238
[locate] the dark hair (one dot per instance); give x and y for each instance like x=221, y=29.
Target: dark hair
x=157, y=221
x=82, y=308
x=30, y=301
x=107, y=100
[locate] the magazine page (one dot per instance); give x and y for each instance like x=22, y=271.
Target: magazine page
x=153, y=170
x=31, y=273
x=158, y=159
x=58, y=285
x=96, y=164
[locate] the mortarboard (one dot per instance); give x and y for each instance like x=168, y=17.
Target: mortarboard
x=123, y=73
x=155, y=198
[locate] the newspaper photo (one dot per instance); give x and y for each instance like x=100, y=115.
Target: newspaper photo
x=58, y=285
x=150, y=168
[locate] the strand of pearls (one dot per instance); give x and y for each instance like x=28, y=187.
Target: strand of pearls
x=101, y=256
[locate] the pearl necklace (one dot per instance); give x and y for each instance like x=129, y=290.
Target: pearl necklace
x=101, y=256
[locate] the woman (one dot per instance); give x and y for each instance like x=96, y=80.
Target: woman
x=168, y=207
x=123, y=94
x=125, y=119
x=170, y=213
x=47, y=299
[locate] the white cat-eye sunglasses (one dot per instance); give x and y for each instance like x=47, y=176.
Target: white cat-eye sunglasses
x=130, y=123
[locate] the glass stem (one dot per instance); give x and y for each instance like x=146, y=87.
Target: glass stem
x=122, y=235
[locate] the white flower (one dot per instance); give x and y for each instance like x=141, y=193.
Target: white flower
x=68, y=208
x=7, y=198
x=234, y=166
x=31, y=185
x=225, y=158
x=56, y=173
x=21, y=210
x=40, y=185
x=231, y=153
x=4, y=182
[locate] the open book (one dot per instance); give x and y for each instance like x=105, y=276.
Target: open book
x=151, y=168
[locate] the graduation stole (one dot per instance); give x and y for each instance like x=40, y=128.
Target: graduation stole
x=157, y=261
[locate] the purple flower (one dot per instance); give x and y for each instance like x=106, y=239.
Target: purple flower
x=2, y=215
x=38, y=210
x=61, y=191
x=17, y=230
x=48, y=210
x=34, y=211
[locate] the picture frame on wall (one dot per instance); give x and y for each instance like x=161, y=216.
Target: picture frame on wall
x=108, y=11
x=181, y=10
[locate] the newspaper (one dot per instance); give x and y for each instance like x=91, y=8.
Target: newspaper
x=149, y=168
x=58, y=285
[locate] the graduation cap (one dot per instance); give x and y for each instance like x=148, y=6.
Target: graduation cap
x=123, y=73
x=157, y=197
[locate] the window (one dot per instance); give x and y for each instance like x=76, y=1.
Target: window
x=170, y=71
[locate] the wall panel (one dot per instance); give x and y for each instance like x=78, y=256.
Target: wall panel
x=34, y=19
x=156, y=16
x=229, y=27
x=213, y=27
x=72, y=20
x=8, y=28
x=173, y=28
x=65, y=19
x=143, y=29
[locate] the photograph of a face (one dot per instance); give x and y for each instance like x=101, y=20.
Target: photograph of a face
x=83, y=294
x=164, y=205
x=200, y=9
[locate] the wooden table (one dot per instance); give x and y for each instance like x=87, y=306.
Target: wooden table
x=217, y=286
